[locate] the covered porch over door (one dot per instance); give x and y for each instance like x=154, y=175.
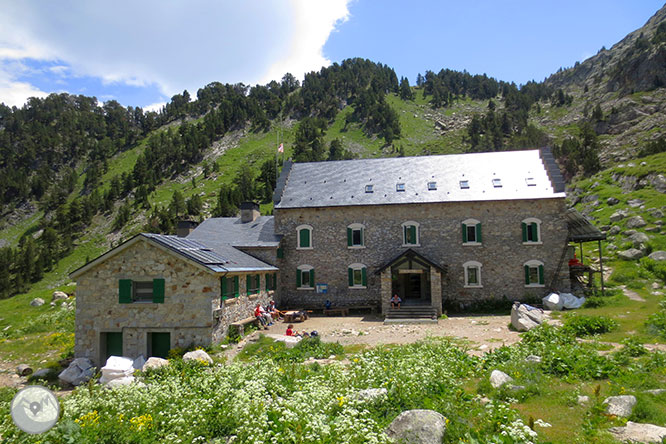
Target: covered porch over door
x=414, y=278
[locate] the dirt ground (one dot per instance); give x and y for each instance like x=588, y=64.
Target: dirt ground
x=482, y=333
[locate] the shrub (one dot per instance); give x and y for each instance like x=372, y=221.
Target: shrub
x=656, y=323
x=585, y=325
x=658, y=269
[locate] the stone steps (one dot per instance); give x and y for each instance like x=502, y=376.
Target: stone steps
x=411, y=315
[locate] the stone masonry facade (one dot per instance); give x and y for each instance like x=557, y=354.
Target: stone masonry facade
x=502, y=253
x=192, y=312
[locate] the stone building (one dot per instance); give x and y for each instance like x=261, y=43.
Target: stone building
x=156, y=292
x=458, y=229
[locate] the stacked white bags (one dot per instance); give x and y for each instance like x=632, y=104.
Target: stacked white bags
x=118, y=370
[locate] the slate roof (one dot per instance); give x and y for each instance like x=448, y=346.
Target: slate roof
x=217, y=258
x=218, y=231
x=342, y=183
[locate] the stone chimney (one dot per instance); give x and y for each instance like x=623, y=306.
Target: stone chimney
x=249, y=212
x=185, y=227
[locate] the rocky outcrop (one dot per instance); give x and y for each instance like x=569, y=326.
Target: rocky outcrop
x=620, y=405
x=418, y=427
x=636, y=432
x=199, y=356
x=525, y=317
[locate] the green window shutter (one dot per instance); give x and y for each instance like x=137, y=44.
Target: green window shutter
x=364, y=277
x=533, y=226
x=541, y=274
x=298, y=278
x=312, y=284
x=350, y=274
x=524, y=225
x=158, y=291
x=280, y=253
x=247, y=284
x=223, y=287
x=361, y=231
x=412, y=234
x=464, y=233
x=478, y=232
x=527, y=275
x=236, y=286
x=125, y=291
x=304, y=238
x=404, y=234
x=274, y=281
x=349, y=237
x=267, y=282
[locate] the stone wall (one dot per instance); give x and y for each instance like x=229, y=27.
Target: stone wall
x=501, y=253
x=191, y=311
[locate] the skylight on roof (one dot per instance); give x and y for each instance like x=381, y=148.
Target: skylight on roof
x=368, y=189
x=432, y=186
x=464, y=184
x=530, y=182
x=497, y=183
x=400, y=187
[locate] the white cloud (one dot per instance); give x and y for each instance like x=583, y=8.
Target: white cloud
x=154, y=106
x=175, y=45
x=14, y=93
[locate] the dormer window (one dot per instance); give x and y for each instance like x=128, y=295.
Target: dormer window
x=432, y=186
x=400, y=187
x=497, y=183
x=530, y=182
x=464, y=184
x=369, y=189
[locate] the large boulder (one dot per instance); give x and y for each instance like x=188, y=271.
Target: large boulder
x=639, y=238
x=417, y=427
x=618, y=216
x=635, y=432
x=553, y=302
x=615, y=229
x=154, y=362
x=59, y=296
x=659, y=255
x=525, y=317
x=198, y=355
x=620, y=405
x=498, y=378
x=37, y=302
x=78, y=372
x=42, y=373
x=631, y=254
x=636, y=222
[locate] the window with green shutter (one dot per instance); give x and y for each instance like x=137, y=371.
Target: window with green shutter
x=472, y=275
x=534, y=273
x=410, y=234
x=531, y=230
x=253, y=283
x=304, y=236
x=130, y=291
x=229, y=287
x=471, y=232
x=305, y=277
x=355, y=234
x=357, y=276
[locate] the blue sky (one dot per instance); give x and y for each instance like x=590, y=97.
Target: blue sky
x=142, y=53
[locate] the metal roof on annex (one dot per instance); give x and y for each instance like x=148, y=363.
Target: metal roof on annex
x=581, y=229
x=509, y=175
x=218, y=231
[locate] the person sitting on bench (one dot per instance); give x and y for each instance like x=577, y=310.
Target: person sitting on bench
x=263, y=317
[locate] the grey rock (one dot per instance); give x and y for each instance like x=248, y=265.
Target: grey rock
x=605, y=228
x=614, y=230
x=78, y=372
x=198, y=355
x=525, y=317
x=630, y=254
x=639, y=238
x=659, y=255
x=636, y=432
x=498, y=378
x=516, y=388
x=59, y=296
x=582, y=399
x=618, y=216
x=655, y=391
x=658, y=182
x=629, y=233
x=417, y=427
x=620, y=405
x=611, y=247
x=655, y=285
x=634, y=203
x=154, y=362
x=636, y=222
x=590, y=198
x=657, y=213
x=372, y=394
x=23, y=370
x=533, y=358
x=37, y=302
x=652, y=229
x=612, y=201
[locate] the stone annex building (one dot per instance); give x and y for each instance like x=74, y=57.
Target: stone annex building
x=456, y=229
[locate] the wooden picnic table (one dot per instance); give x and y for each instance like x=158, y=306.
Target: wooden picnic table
x=295, y=316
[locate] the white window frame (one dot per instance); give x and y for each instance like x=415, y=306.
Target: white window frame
x=531, y=220
x=418, y=233
x=535, y=264
x=359, y=267
x=354, y=227
x=468, y=223
x=475, y=265
x=298, y=237
x=305, y=269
